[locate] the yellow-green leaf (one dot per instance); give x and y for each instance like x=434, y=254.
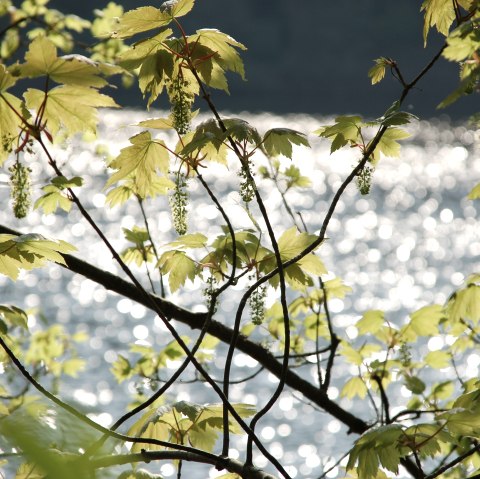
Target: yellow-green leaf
x=351, y=354
x=377, y=72
x=178, y=266
x=371, y=322
x=140, y=20
x=354, y=387
x=475, y=193
x=292, y=243
x=279, y=141
x=439, y=14
x=177, y=8
x=388, y=144
x=425, y=320
x=73, y=108
x=438, y=359
x=142, y=160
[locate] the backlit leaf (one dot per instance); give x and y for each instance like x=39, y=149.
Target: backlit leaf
x=345, y=130
x=279, y=141
x=377, y=72
x=388, y=144
x=73, y=108
x=194, y=240
x=177, y=8
x=29, y=251
x=474, y=193
x=142, y=159
x=141, y=20
x=351, y=354
x=292, y=243
x=179, y=267
x=14, y=316
x=371, y=322
x=425, y=320
x=10, y=124
x=438, y=359
x=355, y=386
x=465, y=304
x=41, y=59
x=439, y=14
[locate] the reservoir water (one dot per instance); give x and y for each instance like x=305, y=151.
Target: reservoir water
x=409, y=243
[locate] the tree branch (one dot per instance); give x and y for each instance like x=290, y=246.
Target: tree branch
x=217, y=329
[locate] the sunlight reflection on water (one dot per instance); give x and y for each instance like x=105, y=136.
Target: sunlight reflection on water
x=407, y=244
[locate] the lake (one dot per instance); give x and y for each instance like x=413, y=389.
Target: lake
x=409, y=243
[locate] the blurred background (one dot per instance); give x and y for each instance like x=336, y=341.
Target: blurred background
x=313, y=57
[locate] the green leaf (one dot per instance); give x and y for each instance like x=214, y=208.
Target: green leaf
x=52, y=200
x=465, y=304
x=157, y=123
x=351, y=354
x=41, y=59
x=73, y=108
x=424, y=321
x=10, y=123
x=439, y=14
x=371, y=322
x=474, y=193
x=463, y=421
x=71, y=367
x=141, y=159
x=438, y=359
x=279, y=141
x=241, y=131
x=207, y=139
x=29, y=251
x=414, y=384
x=388, y=144
x=178, y=266
x=121, y=368
x=225, y=54
x=141, y=20
x=355, y=386
x=336, y=288
x=14, y=316
x=143, y=50
x=194, y=240
x=345, y=130
x=292, y=243
x=54, y=197
x=312, y=264
x=377, y=72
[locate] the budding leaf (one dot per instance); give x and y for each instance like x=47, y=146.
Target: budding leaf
x=377, y=72
x=177, y=8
